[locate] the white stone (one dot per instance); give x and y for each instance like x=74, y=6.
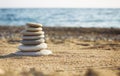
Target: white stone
x=33, y=47
x=42, y=52
x=45, y=52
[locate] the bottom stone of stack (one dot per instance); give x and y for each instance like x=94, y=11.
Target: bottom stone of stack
x=39, y=53
x=32, y=48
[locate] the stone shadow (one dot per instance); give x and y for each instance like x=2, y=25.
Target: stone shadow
x=12, y=55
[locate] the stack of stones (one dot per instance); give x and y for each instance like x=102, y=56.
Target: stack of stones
x=33, y=42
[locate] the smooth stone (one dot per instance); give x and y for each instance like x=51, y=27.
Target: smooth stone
x=33, y=47
x=32, y=33
x=32, y=37
x=45, y=52
x=34, y=24
x=32, y=42
x=38, y=53
x=33, y=29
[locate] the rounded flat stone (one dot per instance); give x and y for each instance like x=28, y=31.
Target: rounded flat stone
x=38, y=53
x=33, y=29
x=45, y=52
x=32, y=33
x=33, y=47
x=34, y=24
x=32, y=37
x=32, y=42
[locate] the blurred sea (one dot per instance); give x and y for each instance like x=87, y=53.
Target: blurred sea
x=62, y=17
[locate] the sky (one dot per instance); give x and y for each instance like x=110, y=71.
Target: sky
x=59, y=3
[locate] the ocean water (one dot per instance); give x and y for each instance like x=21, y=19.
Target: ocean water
x=62, y=17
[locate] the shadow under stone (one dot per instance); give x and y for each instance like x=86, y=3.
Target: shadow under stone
x=12, y=55
x=7, y=56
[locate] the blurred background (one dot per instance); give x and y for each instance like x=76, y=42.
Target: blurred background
x=62, y=17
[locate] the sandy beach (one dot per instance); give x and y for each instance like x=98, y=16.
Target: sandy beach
x=74, y=51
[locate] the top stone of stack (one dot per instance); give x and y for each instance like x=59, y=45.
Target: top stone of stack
x=34, y=25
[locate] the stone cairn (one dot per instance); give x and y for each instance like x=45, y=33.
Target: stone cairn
x=33, y=42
